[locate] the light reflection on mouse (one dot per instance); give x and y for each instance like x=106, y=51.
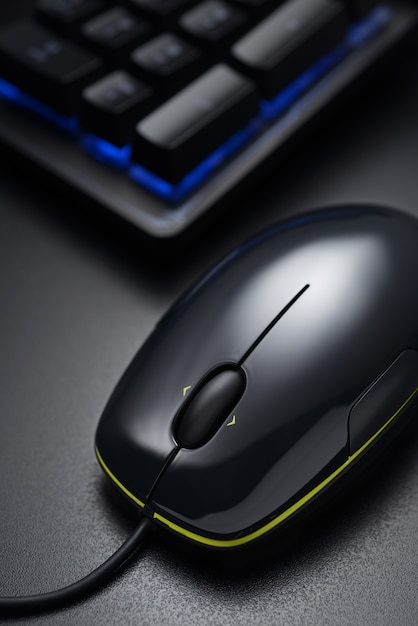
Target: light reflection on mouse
x=271, y=379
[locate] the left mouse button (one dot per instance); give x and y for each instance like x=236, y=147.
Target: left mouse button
x=207, y=409
x=384, y=401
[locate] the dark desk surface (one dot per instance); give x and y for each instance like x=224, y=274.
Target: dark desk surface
x=78, y=297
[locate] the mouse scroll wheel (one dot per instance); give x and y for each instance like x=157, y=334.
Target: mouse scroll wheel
x=208, y=408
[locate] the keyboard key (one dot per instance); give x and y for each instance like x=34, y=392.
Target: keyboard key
x=116, y=31
x=46, y=66
x=112, y=106
x=181, y=133
x=289, y=41
x=214, y=23
x=67, y=14
x=168, y=62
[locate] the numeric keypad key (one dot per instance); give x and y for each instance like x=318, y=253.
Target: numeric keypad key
x=45, y=65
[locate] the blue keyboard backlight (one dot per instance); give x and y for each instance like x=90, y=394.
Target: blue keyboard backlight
x=193, y=179
x=120, y=157
x=279, y=104
x=366, y=29
x=358, y=35
x=21, y=99
x=107, y=153
x=9, y=92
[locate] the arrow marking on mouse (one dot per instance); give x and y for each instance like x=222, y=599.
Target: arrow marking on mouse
x=186, y=389
x=232, y=422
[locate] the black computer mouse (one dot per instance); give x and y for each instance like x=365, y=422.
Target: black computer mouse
x=269, y=381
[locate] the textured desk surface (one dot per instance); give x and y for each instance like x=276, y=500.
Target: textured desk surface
x=78, y=297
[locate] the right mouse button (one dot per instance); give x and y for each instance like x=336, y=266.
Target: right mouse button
x=384, y=401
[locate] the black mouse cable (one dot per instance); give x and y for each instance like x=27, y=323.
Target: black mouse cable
x=81, y=588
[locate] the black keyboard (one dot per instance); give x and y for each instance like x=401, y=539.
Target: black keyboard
x=159, y=109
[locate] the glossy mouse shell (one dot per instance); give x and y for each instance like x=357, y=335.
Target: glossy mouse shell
x=320, y=314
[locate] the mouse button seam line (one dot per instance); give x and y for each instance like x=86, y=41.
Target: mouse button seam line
x=144, y=504
x=271, y=325
x=161, y=473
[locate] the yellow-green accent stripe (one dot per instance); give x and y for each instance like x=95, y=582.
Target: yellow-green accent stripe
x=232, y=543
x=115, y=480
